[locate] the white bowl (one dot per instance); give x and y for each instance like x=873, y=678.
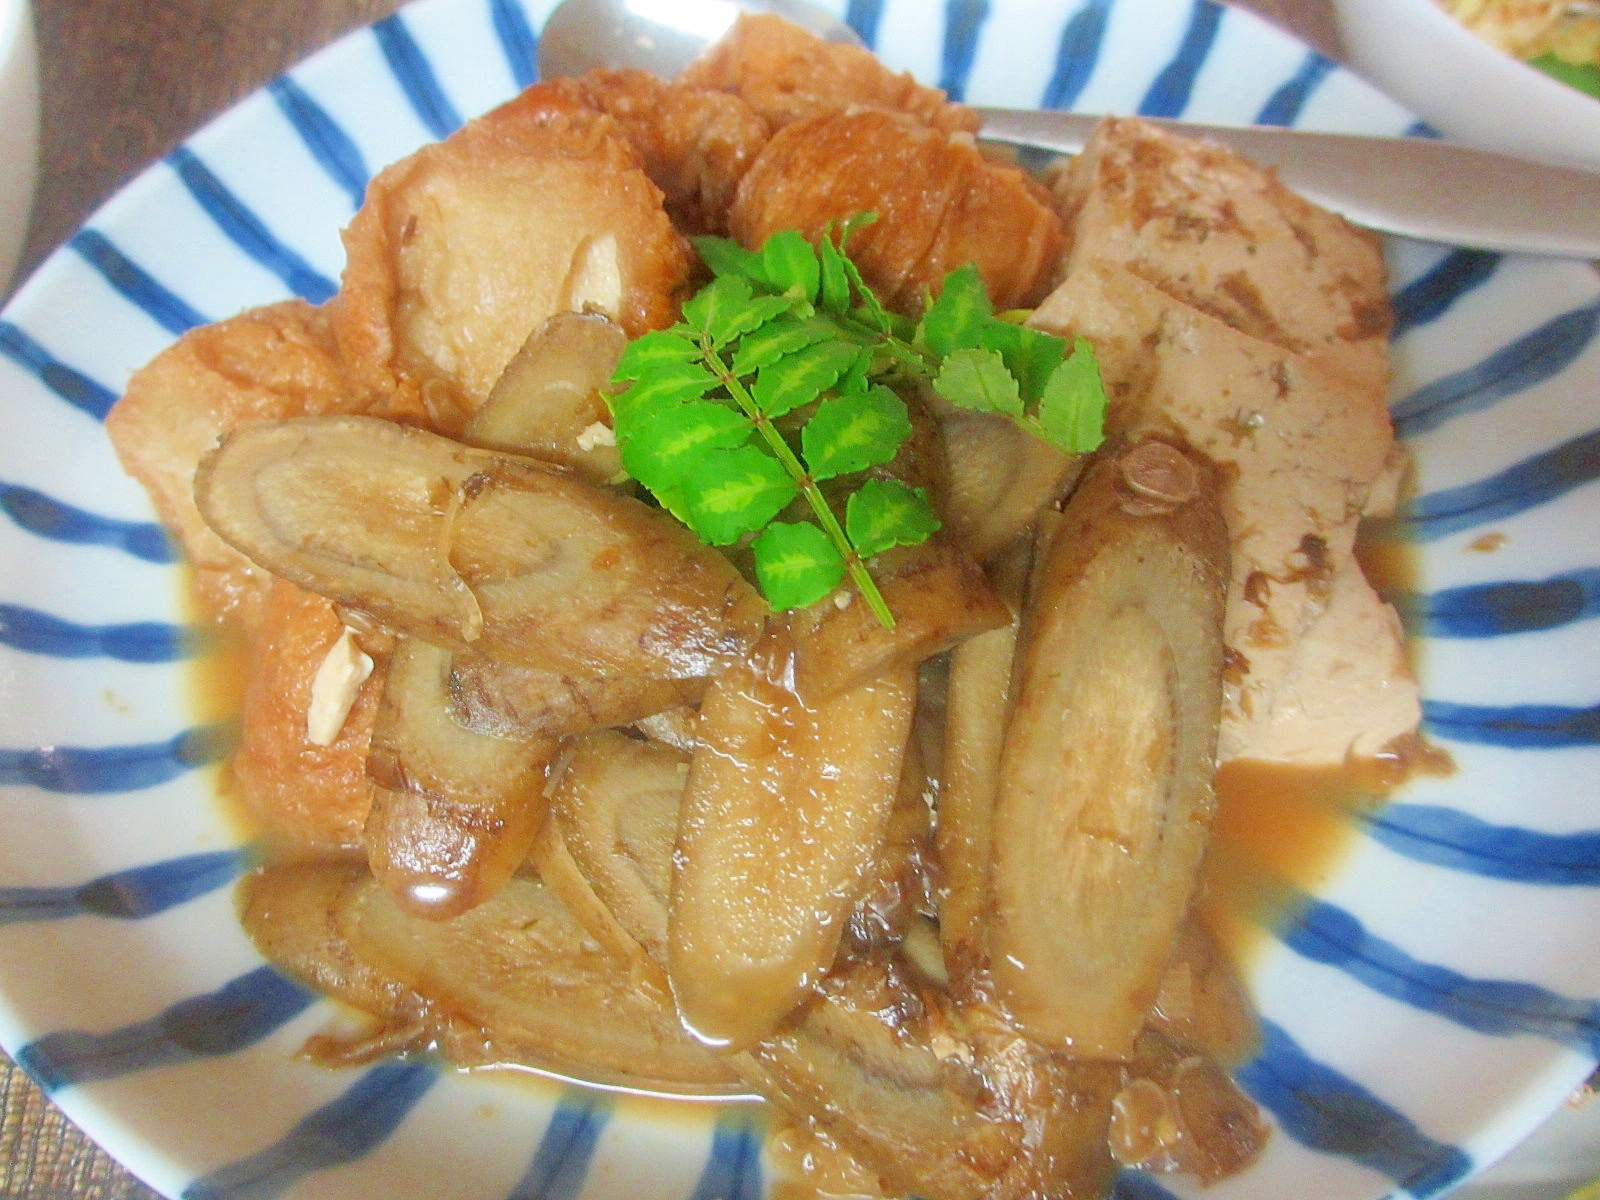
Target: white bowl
x=1463, y=86
x=19, y=129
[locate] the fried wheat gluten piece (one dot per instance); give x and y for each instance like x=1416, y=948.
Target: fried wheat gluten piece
x=313, y=795
x=940, y=204
x=1220, y=233
x=463, y=248
x=694, y=142
x=1303, y=456
x=785, y=73
x=262, y=365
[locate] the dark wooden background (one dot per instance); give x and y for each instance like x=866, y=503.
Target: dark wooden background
x=122, y=82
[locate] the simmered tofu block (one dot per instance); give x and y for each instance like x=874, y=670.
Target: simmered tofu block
x=1219, y=232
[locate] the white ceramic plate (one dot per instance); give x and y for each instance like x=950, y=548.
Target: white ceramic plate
x=1425, y=1009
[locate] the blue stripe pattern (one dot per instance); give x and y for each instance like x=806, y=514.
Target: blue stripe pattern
x=138, y=642
x=561, y=1163
x=1515, y=727
x=1137, y=1185
x=1458, y=841
x=222, y=1022
x=517, y=40
x=1169, y=94
x=49, y=518
x=129, y=895
x=1284, y=105
x=333, y=148
x=73, y=386
x=135, y=284
x=963, y=23
x=341, y=1132
x=106, y=769
x=1077, y=54
x=1488, y=610
x=1320, y=1108
x=247, y=231
x=733, y=1170
x=416, y=78
x=1327, y=934
x=864, y=16
x=1528, y=484
x=1526, y=362
x=1436, y=291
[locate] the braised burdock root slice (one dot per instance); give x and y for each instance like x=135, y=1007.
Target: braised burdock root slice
x=939, y=598
x=786, y=806
x=547, y=401
x=515, y=980
x=465, y=548
x=489, y=695
x=1105, y=799
x=616, y=804
x=453, y=812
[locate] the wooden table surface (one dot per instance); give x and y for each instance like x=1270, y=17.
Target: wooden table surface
x=122, y=82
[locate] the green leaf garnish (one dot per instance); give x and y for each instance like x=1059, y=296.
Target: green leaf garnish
x=647, y=356
x=1073, y=408
x=979, y=380
x=730, y=493
x=854, y=431
x=778, y=337
x=796, y=564
x=727, y=257
x=782, y=373
x=790, y=265
x=956, y=320
x=885, y=513
x=797, y=380
x=670, y=440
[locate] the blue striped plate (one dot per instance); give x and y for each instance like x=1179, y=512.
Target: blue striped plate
x=1434, y=999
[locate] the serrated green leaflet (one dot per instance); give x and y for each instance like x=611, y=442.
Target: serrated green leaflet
x=955, y=321
x=884, y=513
x=978, y=379
x=1029, y=354
x=790, y=265
x=727, y=257
x=1073, y=408
x=778, y=337
x=730, y=493
x=834, y=291
x=727, y=308
x=671, y=383
x=796, y=564
x=669, y=441
x=853, y=432
x=650, y=354
x=801, y=377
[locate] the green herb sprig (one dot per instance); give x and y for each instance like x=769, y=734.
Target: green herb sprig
x=708, y=418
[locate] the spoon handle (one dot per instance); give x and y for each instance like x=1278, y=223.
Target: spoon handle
x=1416, y=187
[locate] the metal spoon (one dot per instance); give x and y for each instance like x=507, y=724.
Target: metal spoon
x=1415, y=187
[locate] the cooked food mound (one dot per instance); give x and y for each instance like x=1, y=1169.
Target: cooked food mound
x=747, y=591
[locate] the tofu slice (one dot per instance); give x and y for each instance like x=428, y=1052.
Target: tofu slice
x=1222, y=234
